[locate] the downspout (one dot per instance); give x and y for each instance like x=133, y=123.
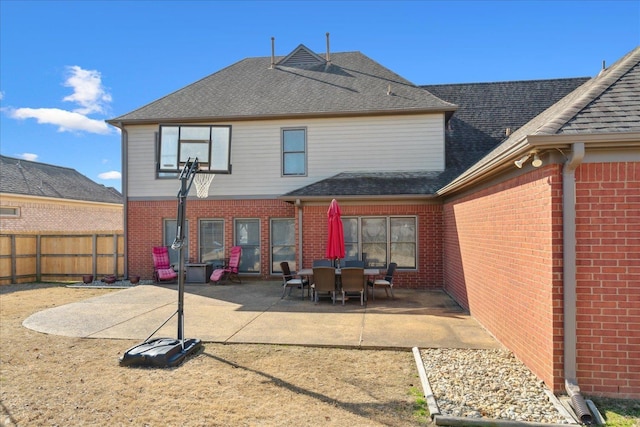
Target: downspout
x=569, y=280
x=125, y=209
x=299, y=206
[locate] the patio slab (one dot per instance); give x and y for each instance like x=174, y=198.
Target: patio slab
x=253, y=312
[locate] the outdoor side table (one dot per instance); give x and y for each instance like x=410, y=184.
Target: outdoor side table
x=198, y=272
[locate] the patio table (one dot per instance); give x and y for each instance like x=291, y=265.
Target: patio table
x=308, y=272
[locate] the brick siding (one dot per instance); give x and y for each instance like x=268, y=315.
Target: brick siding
x=503, y=262
x=608, y=278
x=503, y=250
x=145, y=230
x=57, y=216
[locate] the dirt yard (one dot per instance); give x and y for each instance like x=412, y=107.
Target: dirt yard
x=59, y=381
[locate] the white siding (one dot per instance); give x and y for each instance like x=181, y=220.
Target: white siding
x=397, y=143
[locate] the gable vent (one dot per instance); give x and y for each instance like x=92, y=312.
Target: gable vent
x=301, y=57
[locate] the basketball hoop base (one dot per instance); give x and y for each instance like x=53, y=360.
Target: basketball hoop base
x=160, y=352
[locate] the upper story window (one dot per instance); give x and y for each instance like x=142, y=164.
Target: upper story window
x=294, y=152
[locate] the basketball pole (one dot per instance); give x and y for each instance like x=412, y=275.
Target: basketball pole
x=168, y=352
x=186, y=180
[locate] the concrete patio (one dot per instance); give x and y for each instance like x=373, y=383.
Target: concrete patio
x=253, y=312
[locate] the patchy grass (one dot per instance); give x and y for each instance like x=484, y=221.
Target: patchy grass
x=420, y=409
x=619, y=412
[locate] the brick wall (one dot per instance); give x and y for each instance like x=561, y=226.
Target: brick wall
x=145, y=228
x=502, y=262
x=608, y=278
x=60, y=216
x=429, y=271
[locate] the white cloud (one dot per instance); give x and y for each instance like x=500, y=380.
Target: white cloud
x=110, y=175
x=87, y=90
x=1, y=95
x=28, y=156
x=66, y=121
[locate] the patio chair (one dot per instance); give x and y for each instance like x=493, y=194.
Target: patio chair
x=162, y=270
x=290, y=281
x=324, y=280
x=229, y=271
x=352, y=281
x=322, y=263
x=386, y=283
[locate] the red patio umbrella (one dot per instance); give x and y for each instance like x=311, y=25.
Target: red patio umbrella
x=335, y=239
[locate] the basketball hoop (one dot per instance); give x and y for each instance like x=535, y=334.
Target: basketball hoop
x=203, y=182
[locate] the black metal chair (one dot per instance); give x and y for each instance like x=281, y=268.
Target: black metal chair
x=290, y=281
x=386, y=283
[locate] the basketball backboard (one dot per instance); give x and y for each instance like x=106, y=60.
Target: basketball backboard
x=210, y=144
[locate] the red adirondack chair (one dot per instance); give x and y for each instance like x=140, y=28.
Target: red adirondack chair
x=230, y=271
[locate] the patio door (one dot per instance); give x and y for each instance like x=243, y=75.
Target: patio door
x=247, y=235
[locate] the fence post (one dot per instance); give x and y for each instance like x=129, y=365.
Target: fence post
x=13, y=259
x=115, y=254
x=94, y=254
x=38, y=258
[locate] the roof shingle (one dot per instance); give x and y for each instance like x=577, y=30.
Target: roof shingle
x=350, y=84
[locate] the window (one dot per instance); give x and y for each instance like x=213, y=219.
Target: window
x=374, y=241
x=212, y=241
x=294, y=152
x=170, y=231
x=403, y=242
x=283, y=235
x=247, y=235
x=350, y=228
x=7, y=212
x=381, y=240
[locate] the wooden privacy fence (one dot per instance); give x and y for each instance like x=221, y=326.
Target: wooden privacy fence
x=59, y=258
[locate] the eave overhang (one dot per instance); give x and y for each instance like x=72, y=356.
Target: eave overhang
x=494, y=165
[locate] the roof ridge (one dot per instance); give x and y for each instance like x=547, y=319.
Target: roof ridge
x=505, y=81
x=589, y=91
x=8, y=158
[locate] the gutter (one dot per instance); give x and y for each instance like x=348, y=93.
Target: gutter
x=569, y=280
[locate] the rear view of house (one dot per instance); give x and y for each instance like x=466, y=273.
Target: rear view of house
x=518, y=198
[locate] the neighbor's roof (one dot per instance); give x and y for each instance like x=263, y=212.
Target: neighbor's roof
x=300, y=84
x=24, y=177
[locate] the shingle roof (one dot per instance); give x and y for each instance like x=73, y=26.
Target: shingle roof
x=607, y=103
x=374, y=184
x=617, y=109
x=19, y=176
x=485, y=110
x=350, y=84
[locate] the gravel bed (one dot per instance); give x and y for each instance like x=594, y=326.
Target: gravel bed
x=491, y=384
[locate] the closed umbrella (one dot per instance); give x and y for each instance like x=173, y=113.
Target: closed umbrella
x=335, y=238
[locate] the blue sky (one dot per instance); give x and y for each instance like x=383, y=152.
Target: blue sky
x=67, y=66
